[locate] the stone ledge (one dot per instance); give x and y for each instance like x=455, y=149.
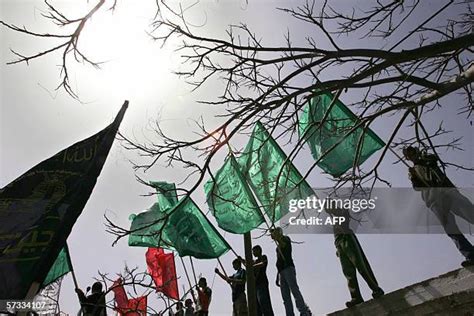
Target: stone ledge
x=448, y=294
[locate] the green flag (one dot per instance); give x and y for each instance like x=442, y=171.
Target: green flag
x=190, y=233
x=273, y=178
x=60, y=267
x=143, y=225
x=338, y=123
x=166, y=194
x=183, y=228
x=231, y=201
x=144, y=229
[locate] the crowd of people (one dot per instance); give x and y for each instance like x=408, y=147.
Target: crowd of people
x=437, y=191
x=352, y=259
x=286, y=281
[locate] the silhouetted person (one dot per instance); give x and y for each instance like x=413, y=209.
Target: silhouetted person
x=188, y=307
x=237, y=283
x=204, y=298
x=442, y=197
x=286, y=276
x=264, y=303
x=94, y=304
x=352, y=259
x=179, y=309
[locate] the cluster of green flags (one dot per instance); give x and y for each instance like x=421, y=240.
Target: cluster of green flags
x=176, y=225
x=262, y=178
x=241, y=194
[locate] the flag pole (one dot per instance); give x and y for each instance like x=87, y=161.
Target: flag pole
x=401, y=159
x=251, y=288
x=68, y=256
x=222, y=267
x=189, y=280
x=33, y=290
x=192, y=266
x=74, y=279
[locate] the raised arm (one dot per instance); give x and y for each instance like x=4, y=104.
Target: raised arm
x=81, y=295
x=223, y=277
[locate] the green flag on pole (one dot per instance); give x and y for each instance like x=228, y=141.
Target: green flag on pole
x=143, y=225
x=183, y=228
x=273, y=178
x=60, y=267
x=231, y=201
x=190, y=233
x=334, y=133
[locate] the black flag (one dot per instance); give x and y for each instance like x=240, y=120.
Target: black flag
x=39, y=209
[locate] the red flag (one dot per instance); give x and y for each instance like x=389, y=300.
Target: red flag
x=162, y=269
x=121, y=298
x=137, y=306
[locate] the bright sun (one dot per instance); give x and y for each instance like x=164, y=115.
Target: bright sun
x=134, y=64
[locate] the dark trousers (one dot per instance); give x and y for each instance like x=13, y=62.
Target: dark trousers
x=463, y=245
x=239, y=306
x=441, y=205
x=264, y=303
x=353, y=259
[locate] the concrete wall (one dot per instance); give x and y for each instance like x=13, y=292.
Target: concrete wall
x=448, y=294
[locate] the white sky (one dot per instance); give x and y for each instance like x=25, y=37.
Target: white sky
x=37, y=122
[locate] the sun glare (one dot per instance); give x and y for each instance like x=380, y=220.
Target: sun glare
x=133, y=64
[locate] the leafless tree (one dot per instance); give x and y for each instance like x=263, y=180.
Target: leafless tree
x=68, y=40
x=136, y=284
x=397, y=76
x=272, y=84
